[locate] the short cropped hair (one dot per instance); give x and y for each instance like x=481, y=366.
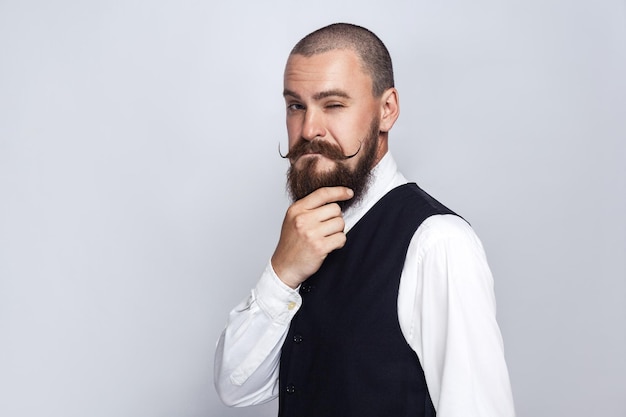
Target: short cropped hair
x=369, y=48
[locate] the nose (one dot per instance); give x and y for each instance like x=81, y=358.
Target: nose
x=313, y=125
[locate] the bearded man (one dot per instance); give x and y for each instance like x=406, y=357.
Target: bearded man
x=378, y=300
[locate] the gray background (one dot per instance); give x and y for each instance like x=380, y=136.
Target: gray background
x=141, y=193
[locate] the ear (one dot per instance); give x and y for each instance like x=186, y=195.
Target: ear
x=390, y=109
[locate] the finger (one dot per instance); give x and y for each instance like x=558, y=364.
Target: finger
x=325, y=245
x=332, y=226
x=310, y=219
x=326, y=195
x=335, y=241
x=326, y=212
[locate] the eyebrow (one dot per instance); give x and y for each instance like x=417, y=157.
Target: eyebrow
x=319, y=96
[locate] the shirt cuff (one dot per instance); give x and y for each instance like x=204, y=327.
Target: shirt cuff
x=275, y=298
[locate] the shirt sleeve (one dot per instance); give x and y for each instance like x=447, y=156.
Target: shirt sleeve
x=447, y=312
x=248, y=351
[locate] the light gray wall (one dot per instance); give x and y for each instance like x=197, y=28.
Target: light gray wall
x=141, y=193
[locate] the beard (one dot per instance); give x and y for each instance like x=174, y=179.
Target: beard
x=303, y=181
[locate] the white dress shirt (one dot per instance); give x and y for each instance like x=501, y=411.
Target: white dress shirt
x=446, y=310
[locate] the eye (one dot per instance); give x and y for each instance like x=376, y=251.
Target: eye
x=334, y=106
x=295, y=107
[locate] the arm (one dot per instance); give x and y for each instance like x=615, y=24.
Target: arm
x=447, y=313
x=248, y=351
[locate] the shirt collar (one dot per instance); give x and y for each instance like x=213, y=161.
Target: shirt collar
x=385, y=177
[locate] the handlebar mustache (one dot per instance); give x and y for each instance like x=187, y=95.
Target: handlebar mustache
x=318, y=147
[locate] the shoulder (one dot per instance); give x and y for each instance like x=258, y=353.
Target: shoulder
x=443, y=232
x=443, y=227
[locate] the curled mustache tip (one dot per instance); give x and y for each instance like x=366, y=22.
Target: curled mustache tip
x=281, y=154
x=356, y=153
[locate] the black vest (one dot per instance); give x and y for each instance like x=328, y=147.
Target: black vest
x=345, y=354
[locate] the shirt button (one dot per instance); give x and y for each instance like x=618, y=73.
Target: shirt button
x=291, y=305
x=291, y=389
x=297, y=338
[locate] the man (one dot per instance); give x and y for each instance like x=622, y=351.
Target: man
x=378, y=300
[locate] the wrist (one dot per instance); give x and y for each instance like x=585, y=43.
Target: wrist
x=284, y=276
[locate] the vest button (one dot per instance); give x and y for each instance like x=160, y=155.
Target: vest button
x=297, y=338
x=291, y=389
x=306, y=288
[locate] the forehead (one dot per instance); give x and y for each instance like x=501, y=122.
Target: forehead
x=337, y=69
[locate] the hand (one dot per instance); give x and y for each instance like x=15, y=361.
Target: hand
x=312, y=228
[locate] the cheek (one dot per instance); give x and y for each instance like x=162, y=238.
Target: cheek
x=293, y=132
x=347, y=131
